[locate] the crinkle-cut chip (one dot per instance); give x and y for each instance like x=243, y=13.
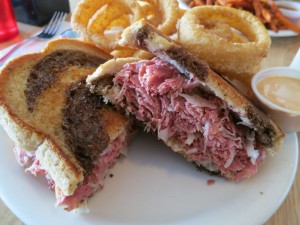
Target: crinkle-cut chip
x=129, y=52
x=123, y=53
x=142, y=54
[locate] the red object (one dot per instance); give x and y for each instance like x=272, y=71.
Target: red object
x=210, y=182
x=8, y=25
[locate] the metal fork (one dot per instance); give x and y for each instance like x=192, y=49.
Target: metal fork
x=49, y=31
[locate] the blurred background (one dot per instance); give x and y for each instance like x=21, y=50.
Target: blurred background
x=38, y=12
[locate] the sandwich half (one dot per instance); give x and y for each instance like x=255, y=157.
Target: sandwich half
x=61, y=130
x=190, y=107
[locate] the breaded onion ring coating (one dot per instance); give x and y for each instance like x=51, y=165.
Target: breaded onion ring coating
x=228, y=57
x=103, y=21
x=168, y=13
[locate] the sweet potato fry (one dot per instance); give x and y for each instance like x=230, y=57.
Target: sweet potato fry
x=220, y=2
x=287, y=23
x=266, y=10
x=283, y=20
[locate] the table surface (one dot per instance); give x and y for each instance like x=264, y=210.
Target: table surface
x=282, y=51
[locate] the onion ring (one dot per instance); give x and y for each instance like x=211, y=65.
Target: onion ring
x=103, y=21
x=231, y=57
x=164, y=14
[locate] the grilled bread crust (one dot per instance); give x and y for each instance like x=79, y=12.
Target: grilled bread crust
x=40, y=130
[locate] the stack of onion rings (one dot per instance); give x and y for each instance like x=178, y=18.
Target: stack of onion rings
x=231, y=56
x=103, y=21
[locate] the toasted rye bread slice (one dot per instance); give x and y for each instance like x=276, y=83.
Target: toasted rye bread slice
x=142, y=35
x=39, y=128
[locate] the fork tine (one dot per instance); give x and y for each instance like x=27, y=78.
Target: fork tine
x=48, y=32
x=52, y=21
x=59, y=22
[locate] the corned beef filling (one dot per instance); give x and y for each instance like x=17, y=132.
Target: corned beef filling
x=92, y=182
x=200, y=125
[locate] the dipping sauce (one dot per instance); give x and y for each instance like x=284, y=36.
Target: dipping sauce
x=281, y=90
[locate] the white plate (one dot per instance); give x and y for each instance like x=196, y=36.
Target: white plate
x=283, y=33
x=153, y=185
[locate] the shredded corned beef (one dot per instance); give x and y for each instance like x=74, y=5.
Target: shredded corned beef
x=32, y=165
x=92, y=182
x=198, y=125
x=24, y=158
